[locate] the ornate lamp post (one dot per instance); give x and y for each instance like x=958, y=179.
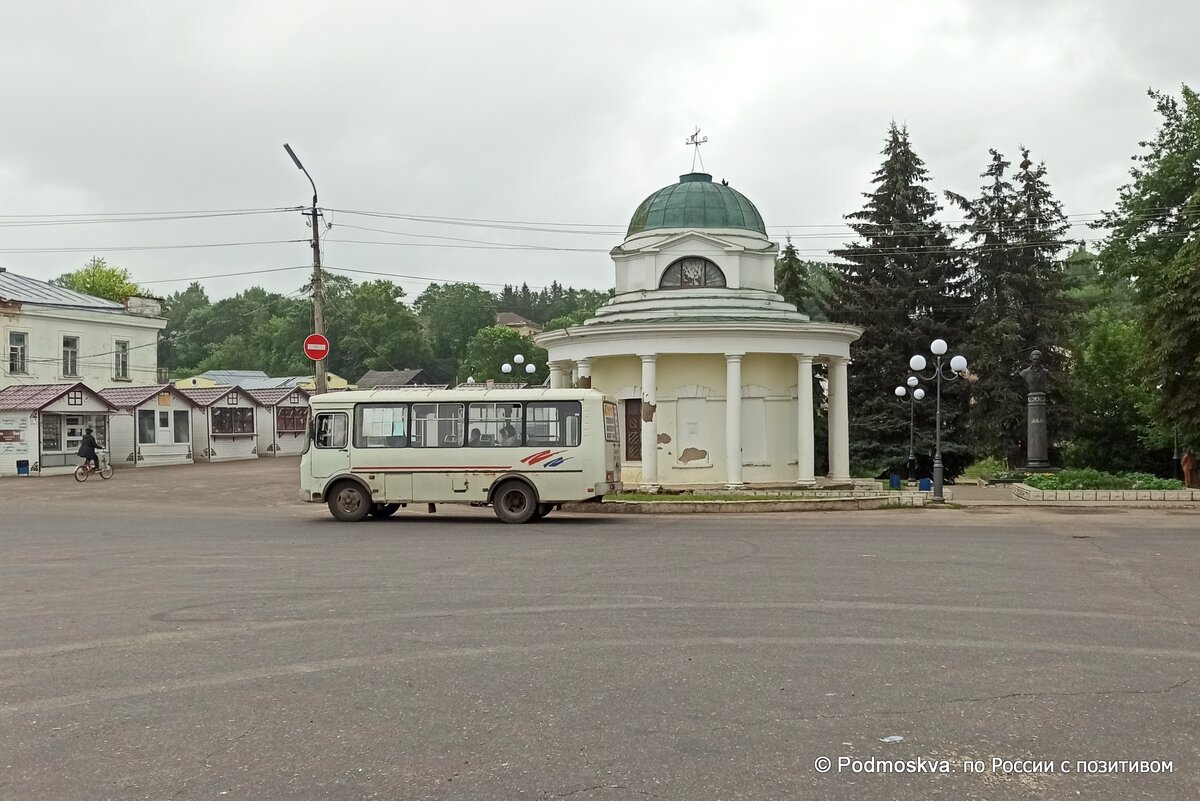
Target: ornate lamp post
x=958, y=366
x=918, y=393
x=507, y=367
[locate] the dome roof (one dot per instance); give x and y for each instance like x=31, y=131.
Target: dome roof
x=696, y=202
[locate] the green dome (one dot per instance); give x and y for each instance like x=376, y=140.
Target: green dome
x=696, y=202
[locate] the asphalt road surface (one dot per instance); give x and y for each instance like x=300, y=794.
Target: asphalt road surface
x=194, y=633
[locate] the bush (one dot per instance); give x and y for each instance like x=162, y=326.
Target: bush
x=986, y=467
x=1089, y=479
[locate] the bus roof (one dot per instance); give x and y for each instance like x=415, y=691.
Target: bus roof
x=417, y=395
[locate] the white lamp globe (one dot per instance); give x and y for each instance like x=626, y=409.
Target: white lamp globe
x=958, y=364
x=938, y=347
x=917, y=363
x=531, y=368
x=519, y=359
x=918, y=393
x=912, y=381
x=506, y=368
x=901, y=392
x=471, y=379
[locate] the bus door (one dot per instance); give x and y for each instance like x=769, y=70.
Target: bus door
x=330, y=454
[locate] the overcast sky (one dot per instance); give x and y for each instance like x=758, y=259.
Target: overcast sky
x=560, y=114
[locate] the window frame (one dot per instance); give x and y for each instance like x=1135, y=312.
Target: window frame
x=359, y=439
x=187, y=425
x=562, y=440
x=711, y=270
x=153, y=430
x=121, y=350
x=20, y=367
x=73, y=354
x=420, y=423
x=242, y=416
x=495, y=423
x=345, y=431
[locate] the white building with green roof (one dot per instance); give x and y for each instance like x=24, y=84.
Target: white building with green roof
x=713, y=369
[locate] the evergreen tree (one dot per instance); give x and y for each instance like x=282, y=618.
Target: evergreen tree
x=1014, y=232
x=904, y=285
x=792, y=279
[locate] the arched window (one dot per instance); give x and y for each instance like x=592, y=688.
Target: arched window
x=690, y=272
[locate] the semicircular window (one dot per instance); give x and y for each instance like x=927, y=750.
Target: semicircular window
x=691, y=272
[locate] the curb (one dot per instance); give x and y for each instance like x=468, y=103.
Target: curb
x=737, y=507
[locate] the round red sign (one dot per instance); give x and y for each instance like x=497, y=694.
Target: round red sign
x=316, y=347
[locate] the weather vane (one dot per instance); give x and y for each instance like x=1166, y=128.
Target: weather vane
x=695, y=140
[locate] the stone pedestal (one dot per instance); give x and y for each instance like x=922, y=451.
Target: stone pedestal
x=1038, y=444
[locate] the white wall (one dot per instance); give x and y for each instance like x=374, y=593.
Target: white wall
x=126, y=451
x=19, y=436
x=98, y=333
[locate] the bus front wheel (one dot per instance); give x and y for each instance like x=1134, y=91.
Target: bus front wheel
x=514, y=502
x=349, y=502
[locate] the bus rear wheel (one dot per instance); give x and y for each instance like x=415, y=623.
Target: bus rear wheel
x=382, y=510
x=349, y=502
x=514, y=502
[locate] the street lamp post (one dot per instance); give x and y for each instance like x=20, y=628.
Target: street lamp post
x=917, y=394
x=519, y=359
x=958, y=366
x=318, y=282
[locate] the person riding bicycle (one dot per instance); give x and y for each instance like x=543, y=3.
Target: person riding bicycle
x=87, y=449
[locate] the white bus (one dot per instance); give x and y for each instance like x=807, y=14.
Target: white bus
x=523, y=451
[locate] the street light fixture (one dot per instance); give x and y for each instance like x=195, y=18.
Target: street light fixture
x=917, y=394
x=958, y=366
x=530, y=368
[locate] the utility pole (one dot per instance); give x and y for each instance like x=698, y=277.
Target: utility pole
x=318, y=284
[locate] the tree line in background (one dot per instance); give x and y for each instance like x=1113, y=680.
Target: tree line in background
x=1118, y=324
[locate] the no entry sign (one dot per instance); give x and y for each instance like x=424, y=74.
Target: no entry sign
x=316, y=347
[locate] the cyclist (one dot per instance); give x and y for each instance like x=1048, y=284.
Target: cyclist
x=87, y=449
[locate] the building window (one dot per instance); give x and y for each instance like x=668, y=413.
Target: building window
x=293, y=398
x=18, y=349
x=633, y=430
x=70, y=361
x=233, y=421
x=75, y=397
x=182, y=428
x=121, y=361
x=231, y=399
x=690, y=273
x=145, y=426
x=291, y=420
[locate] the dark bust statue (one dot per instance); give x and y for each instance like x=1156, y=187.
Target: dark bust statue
x=1035, y=374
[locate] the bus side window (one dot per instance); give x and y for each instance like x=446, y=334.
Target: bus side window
x=332, y=428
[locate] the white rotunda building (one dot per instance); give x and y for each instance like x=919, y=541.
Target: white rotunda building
x=712, y=369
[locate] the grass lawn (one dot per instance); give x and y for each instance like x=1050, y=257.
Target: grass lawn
x=640, y=496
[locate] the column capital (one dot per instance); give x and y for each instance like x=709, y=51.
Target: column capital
x=648, y=358
x=734, y=357
x=838, y=359
x=804, y=358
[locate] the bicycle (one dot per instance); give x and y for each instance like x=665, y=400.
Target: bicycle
x=105, y=470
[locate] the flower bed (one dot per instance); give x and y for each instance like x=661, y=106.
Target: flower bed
x=1087, y=479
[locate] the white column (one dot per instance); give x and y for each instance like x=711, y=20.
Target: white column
x=804, y=408
x=558, y=375
x=583, y=368
x=733, y=420
x=649, y=423
x=839, y=420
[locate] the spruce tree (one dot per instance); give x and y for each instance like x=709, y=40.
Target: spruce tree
x=1014, y=232
x=904, y=284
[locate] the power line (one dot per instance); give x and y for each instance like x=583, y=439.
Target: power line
x=28, y=223
x=122, y=248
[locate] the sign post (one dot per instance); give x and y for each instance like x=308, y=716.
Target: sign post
x=316, y=347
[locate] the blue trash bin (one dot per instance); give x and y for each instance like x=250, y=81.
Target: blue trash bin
x=925, y=485
x=894, y=481
x=22, y=467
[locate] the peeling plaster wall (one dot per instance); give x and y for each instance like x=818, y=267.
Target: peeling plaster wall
x=767, y=376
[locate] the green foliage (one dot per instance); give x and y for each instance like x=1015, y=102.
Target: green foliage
x=551, y=303
x=1154, y=240
x=452, y=313
x=804, y=284
x=495, y=346
x=906, y=286
x=988, y=466
x=1014, y=231
x=1088, y=479
x=98, y=279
